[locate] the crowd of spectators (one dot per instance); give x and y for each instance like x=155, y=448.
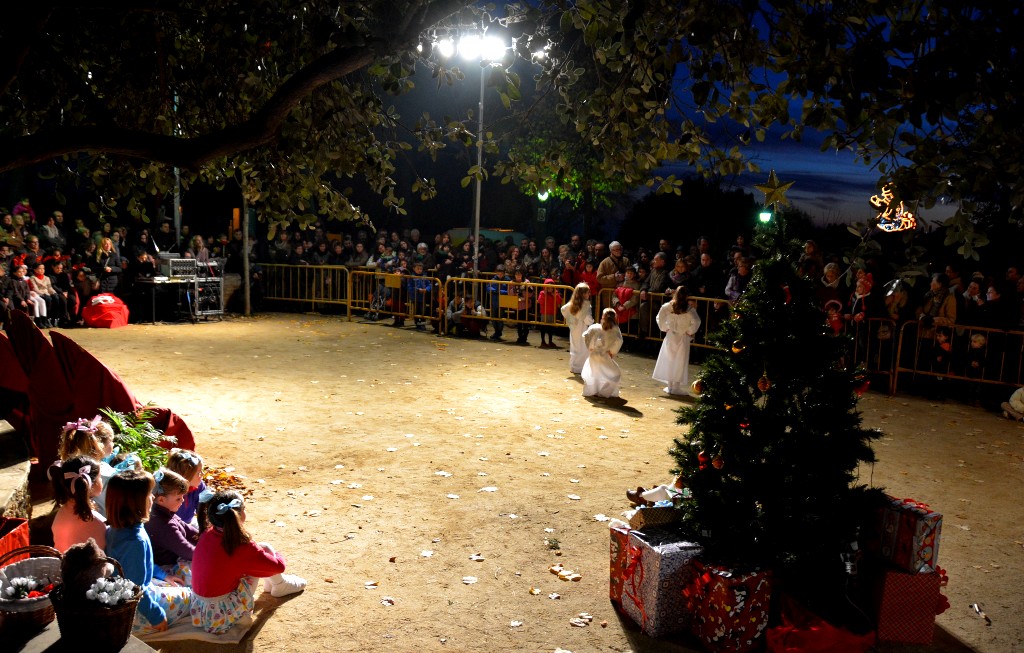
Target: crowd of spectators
x=50, y=268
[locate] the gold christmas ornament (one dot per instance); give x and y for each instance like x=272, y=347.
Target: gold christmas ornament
x=718, y=462
x=763, y=384
x=737, y=346
x=697, y=387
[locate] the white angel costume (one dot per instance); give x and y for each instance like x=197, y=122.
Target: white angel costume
x=673, y=366
x=577, y=324
x=601, y=374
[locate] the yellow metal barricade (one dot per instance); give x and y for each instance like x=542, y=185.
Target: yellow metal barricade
x=315, y=285
x=501, y=300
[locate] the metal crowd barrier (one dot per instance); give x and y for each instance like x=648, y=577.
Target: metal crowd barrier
x=641, y=316
x=315, y=285
x=962, y=352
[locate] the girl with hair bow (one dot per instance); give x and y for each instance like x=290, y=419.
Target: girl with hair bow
x=227, y=565
x=76, y=482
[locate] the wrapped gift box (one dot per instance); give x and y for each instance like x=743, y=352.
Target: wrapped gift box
x=730, y=609
x=905, y=604
x=648, y=516
x=619, y=548
x=657, y=569
x=907, y=534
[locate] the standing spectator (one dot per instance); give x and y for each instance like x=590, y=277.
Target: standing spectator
x=51, y=233
x=359, y=257
x=738, y=280
x=164, y=238
x=24, y=207
x=549, y=300
x=612, y=270
x=421, y=295
x=657, y=282
x=708, y=280
x=498, y=287
x=107, y=266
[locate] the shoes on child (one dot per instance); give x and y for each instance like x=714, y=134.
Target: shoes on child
x=284, y=584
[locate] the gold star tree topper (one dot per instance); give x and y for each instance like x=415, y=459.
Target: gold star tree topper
x=774, y=191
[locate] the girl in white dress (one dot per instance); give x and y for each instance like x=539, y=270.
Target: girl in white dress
x=578, y=316
x=679, y=321
x=601, y=374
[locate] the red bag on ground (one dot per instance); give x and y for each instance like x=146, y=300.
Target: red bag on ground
x=804, y=632
x=105, y=311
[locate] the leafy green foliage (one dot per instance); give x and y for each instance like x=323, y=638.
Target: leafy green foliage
x=775, y=442
x=288, y=99
x=134, y=433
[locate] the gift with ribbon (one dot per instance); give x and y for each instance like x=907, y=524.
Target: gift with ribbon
x=729, y=608
x=618, y=549
x=905, y=605
x=657, y=569
x=906, y=533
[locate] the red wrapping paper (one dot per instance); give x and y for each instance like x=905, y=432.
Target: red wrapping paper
x=905, y=605
x=619, y=544
x=730, y=610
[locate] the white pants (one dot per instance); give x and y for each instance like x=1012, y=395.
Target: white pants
x=38, y=305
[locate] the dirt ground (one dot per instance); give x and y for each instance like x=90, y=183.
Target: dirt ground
x=387, y=456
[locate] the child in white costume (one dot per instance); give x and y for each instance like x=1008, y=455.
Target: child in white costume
x=679, y=321
x=578, y=316
x=1014, y=408
x=601, y=374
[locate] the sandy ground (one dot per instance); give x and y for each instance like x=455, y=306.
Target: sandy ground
x=392, y=456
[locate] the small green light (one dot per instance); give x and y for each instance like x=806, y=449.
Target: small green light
x=543, y=196
x=766, y=216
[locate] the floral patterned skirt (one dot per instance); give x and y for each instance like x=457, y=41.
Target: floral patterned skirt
x=217, y=614
x=174, y=600
x=182, y=569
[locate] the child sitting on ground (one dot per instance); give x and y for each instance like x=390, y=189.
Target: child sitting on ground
x=93, y=438
x=227, y=565
x=189, y=466
x=129, y=500
x=75, y=483
x=174, y=541
x=1014, y=408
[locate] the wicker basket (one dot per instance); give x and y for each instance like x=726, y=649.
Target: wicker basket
x=27, y=615
x=109, y=627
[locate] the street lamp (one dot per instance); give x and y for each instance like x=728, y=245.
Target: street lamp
x=488, y=50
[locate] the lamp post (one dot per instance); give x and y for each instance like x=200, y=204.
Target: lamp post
x=488, y=50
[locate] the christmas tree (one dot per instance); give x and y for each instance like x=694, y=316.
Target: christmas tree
x=775, y=441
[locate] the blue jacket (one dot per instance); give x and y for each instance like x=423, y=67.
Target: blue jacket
x=131, y=547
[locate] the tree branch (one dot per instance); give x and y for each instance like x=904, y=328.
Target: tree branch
x=260, y=129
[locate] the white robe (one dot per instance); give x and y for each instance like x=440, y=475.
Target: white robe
x=601, y=374
x=577, y=325
x=673, y=366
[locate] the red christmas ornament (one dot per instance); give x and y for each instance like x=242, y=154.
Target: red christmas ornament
x=862, y=388
x=702, y=460
x=745, y=424
x=718, y=462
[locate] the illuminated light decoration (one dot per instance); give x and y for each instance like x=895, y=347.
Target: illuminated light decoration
x=446, y=47
x=765, y=216
x=892, y=218
x=543, y=195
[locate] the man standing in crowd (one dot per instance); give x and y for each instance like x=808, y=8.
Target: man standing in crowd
x=612, y=270
x=657, y=281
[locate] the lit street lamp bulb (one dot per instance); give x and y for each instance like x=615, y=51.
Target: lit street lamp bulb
x=543, y=196
x=446, y=47
x=486, y=48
